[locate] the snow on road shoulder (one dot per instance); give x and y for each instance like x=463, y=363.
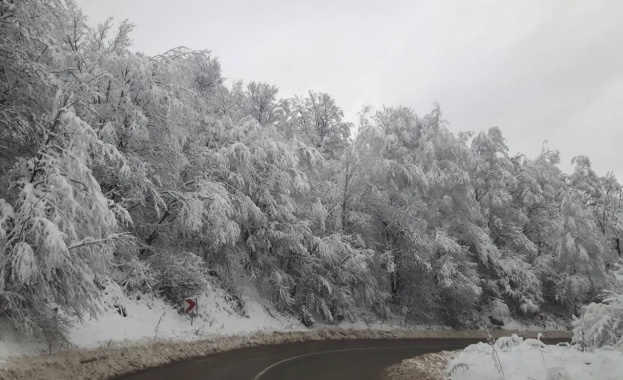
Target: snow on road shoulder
x=514, y=358
x=15, y=344
x=130, y=320
x=427, y=366
x=147, y=318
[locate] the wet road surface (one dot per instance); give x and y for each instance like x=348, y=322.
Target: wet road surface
x=362, y=359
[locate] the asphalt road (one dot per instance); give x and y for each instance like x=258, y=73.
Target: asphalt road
x=323, y=360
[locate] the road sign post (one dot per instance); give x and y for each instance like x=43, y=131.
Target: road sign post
x=190, y=307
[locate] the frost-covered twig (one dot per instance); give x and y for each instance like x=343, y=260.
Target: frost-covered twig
x=541, y=352
x=158, y=325
x=90, y=241
x=497, y=361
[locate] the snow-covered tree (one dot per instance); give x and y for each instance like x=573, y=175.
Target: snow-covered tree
x=499, y=190
x=60, y=230
x=317, y=121
x=603, y=197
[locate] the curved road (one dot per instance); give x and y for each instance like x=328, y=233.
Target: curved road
x=361, y=359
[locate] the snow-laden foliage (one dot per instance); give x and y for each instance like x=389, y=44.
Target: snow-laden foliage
x=498, y=189
x=151, y=174
x=60, y=231
x=601, y=324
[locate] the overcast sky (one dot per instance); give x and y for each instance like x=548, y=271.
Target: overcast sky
x=539, y=69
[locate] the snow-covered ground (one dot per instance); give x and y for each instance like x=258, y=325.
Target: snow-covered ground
x=515, y=358
x=428, y=366
x=152, y=318
x=135, y=319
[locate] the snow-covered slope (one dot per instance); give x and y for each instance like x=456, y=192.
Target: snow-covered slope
x=133, y=319
x=152, y=318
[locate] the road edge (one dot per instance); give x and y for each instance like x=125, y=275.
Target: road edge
x=111, y=361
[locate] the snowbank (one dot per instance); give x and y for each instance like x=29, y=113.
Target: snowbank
x=428, y=366
x=152, y=318
x=14, y=344
x=130, y=320
x=436, y=366
x=515, y=358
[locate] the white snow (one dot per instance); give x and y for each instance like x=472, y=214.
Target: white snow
x=152, y=318
x=513, y=358
x=149, y=318
x=14, y=344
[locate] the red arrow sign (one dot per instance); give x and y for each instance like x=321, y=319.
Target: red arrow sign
x=189, y=304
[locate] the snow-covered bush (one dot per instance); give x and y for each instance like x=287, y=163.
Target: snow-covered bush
x=179, y=274
x=458, y=305
x=601, y=324
x=136, y=275
x=54, y=325
x=306, y=318
x=499, y=309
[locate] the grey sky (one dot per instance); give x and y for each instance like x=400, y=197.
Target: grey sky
x=540, y=70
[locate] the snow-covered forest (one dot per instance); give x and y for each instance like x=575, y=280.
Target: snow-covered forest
x=158, y=176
